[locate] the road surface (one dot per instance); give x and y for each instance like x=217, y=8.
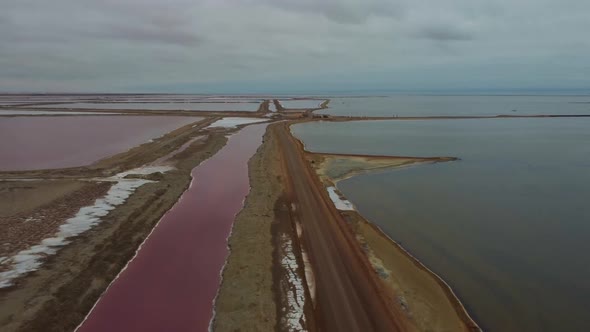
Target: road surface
x=348, y=296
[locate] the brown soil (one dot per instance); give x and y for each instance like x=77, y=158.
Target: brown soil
x=58, y=296
x=263, y=108
x=29, y=227
x=25, y=196
x=336, y=167
x=254, y=294
x=278, y=105
x=427, y=298
x=349, y=295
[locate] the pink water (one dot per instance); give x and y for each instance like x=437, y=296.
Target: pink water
x=199, y=106
x=171, y=284
x=54, y=142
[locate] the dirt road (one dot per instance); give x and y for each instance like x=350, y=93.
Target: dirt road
x=348, y=296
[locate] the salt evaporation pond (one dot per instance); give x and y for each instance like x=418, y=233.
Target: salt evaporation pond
x=171, y=283
x=170, y=106
x=457, y=105
x=301, y=103
x=507, y=226
x=238, y=99
x=28, y=143
x=11, y=103
x=184, y=98
x=234, y=122
x=26, y=112
x=45, y=99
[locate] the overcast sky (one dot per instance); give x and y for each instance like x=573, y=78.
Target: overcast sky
x=298, y=45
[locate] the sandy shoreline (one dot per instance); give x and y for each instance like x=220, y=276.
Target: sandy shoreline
x=450, y=294
x=378, y=244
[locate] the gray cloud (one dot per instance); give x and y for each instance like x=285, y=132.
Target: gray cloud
x=443, y=32
x=154, y=34
x=122, y=44
x=344, y=11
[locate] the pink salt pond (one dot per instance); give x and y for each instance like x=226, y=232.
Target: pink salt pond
x=171, y=283
x=28, y=143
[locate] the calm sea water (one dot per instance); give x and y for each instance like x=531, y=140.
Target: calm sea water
x=301, y=103
x=507, y=226
x=458, y=105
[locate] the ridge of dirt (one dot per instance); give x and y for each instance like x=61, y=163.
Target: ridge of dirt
x=245, y=301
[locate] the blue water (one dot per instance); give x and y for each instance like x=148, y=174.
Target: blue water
x=415, y=105
x=507, y=226
x=301, y=103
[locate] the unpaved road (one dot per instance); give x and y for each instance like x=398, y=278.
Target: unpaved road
x=349, y=297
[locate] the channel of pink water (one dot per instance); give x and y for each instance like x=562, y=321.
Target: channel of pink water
x=54, y=142
x=172, y=282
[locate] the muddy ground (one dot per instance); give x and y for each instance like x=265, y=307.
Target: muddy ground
x=337, y=167
x=24, y=197
x=37, y=211
x=424, y=296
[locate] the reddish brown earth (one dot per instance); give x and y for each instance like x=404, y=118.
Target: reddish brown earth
x=349, y=296
x=171, y=284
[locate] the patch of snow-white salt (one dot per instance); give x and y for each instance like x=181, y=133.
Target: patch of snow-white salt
x=309, y=276
x=341, y=204
x=294, y=315
x=271, y=106
x=87, y=217
x=234, y=122
x=162, y=161
x=145, y=170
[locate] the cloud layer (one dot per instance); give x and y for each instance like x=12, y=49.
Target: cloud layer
x=141, y=45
